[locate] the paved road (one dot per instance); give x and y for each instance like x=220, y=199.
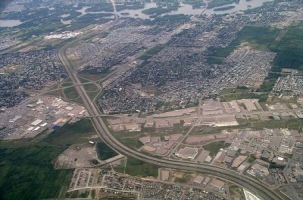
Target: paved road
x=253, y=185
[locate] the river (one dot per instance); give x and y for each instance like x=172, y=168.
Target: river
x=186, y=9
x=183, y=9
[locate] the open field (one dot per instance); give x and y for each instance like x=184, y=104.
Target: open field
x=90, y=87
x=153, y=51
x=95, y=77
x=71, y=93
x=78, y=194
x=295, y=124
x=215, y=147
x=93, y=94
x=84, y=80
x=57, y=93
x=230, y=94
x=136, y=167
x=275, y=99
x=201, y=130
x=236, y=192
x=67, y=84
x=78, y=132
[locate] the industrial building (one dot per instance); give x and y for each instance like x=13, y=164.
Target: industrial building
x=187, y=153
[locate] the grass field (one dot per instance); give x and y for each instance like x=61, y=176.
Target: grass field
x=92, y=95
x=153, y=51
x=136, y=167
x=201, y=130
x=90, y=87
x=230, y=94
x=84, y=80
x=295, y=124
x=215, y=147
x=26, y=170
x=57, y=93
x=71, y=93
x=236, y=192
x=67, y=84
x=94, y=77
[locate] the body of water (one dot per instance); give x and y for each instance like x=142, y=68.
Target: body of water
x=65, y=15
x=9, y=22
x=242, y=5
x=66, y=21
x=186, y=9
x=183, y=9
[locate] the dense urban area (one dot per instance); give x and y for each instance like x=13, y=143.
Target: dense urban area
x=151, y=99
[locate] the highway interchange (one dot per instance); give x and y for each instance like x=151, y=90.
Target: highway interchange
x=249, y=183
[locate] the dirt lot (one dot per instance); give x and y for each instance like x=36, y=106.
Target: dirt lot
x=77, y=156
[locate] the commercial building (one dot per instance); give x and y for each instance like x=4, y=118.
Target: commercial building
x=198, y=179
x=217, y=183
x=238, y=161
x=187, y=153
x=164, y=175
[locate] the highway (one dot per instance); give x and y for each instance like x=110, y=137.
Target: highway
x=249, y=183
